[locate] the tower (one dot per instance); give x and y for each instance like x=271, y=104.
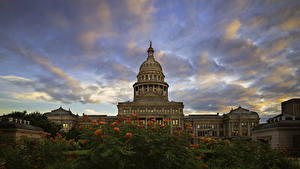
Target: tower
x=151, y=95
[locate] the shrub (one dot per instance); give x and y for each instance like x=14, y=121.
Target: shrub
x=130, y=144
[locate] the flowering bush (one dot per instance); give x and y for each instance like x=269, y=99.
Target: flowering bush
x=129, y=144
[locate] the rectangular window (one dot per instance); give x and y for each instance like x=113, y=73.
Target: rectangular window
x=65, y=125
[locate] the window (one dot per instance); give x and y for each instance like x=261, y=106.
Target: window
x=65, y=125
x=150, y=77
x=244, y=124
x=175, y=122
x=252, y=124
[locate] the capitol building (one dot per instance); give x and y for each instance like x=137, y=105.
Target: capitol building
x=151, y=95
x=150, y=100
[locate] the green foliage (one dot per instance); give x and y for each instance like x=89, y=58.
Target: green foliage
x=131, y=145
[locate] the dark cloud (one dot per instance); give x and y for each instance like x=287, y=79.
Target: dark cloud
x=214, y=54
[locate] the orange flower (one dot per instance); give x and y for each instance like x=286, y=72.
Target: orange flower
x=113, y=124
x=72, y=153
x=166, y=121
x=140, y=126
x=207, y=140
x=53, y=140
x=69, y=160
x=41, y=132
x=192, y=135
x=175, y=132
x=120, y=119
x=135, y=116
x=38, y=159
x=194, y=146
x=35, y=166
x=81, y=127
x=128, y=135
x=102, y=122
x=249, y=149
x=154, y=128
x=98, y=132
x=233, y=157
x=116, y=129
x=70, y=141
x=150, y=123
x=128, y=117
x=204, y=166
x=94, y=123
x=103, y=136
x=189, y=128
x=140, y=121
x=263, y=150
x=85, y=118
x=162, y=126
x=83, y=142
x=128, y=121
x=99, y=119
x=90, y=128
x=201, y=156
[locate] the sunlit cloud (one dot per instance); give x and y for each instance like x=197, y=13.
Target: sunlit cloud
x=86, y=54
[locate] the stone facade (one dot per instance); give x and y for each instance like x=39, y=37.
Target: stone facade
x=151, y=95
x=13, y=128
x=238, y=122
x=282, y=131
x=64, y=117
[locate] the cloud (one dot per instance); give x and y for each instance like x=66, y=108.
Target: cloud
x=142, y=11
x=92, y=112
x=232, y=29
x=15, y=78
x=291, y=23
x=37, y=96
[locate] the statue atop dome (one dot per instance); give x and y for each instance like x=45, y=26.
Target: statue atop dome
x=150, y=50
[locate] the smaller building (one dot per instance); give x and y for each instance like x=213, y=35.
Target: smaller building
x=64, y=117
x=68, y=120
x=282, y=131
x=238, y=122
x=13, y=128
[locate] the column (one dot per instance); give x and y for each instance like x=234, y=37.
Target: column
x=229, y=129
x=218, y=130
x=248, y=126
x=240, y=128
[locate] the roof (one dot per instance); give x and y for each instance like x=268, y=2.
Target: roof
x=9, y=125
x=241, y=110
x=60, y=111
x=192, y=116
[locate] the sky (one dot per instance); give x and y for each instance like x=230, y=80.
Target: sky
x=85, y=54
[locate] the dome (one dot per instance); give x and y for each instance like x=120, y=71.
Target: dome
x=150, y=65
